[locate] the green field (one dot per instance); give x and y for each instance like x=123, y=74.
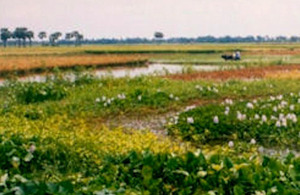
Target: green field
x=154, y=134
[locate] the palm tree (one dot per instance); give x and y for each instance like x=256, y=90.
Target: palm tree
x=54, y=37
x=42, y=35
x=158, y=35
x=78, y=38
x=75, y=34
x=5, y=35
x=20, y=33
x=29, y=35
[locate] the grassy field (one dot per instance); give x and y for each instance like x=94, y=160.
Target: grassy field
x=220, y=132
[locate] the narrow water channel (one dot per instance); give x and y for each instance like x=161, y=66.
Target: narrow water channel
x=151, y=69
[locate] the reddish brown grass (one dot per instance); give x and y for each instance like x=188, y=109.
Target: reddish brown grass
x=25, y=63
x=247, y=73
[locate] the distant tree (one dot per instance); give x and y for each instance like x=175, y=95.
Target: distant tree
x=20, y=33
x=5, y=35
x=68, y=36
x=30, y=36
x=158, y=35
x=54, y=37
x=42, y=35
x=75, y=34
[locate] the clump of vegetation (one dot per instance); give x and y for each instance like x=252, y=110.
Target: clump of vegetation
x=34, y=92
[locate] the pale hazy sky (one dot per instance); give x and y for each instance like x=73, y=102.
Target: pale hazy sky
x=140, y=18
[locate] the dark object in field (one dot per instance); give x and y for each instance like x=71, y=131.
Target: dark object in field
x=227, y=57
x=235, y=56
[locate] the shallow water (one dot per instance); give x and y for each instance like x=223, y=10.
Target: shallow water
x=151, y=69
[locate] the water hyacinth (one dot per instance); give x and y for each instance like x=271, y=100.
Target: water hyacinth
x=231, y=144
x=278, y=124
x=216, y=119
x=228, y=101
x=241, y=116
x=264, y=118
x=121, y=96
x=253, y=141
x=190, y=120
x=250, y=105
x=140, y=97
x=279, y=97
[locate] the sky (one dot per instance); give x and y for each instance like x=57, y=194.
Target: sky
x=141, y=18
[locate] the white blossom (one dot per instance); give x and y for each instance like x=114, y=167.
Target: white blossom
x=231, y=144
x=216, y=119
x=278, y=124
x=190, y=120
x=264, y=118
x=250, y=105
x=140, y=97
x=253, y=141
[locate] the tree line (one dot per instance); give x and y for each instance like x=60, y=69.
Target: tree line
x=21, y=35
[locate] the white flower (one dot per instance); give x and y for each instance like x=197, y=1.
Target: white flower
x=228, y=101
x=254, y=101
x=299, y=101
x=283, y=103
x=109, y=101
x=245, y=88
x=97, y=100
x=274, y=189
x=176, y=98
x=122, y=96
x=273, y=118
x=199, y=87
x=292, y=107
x=227, y=108
x=231, y=144
x=253, y=141
x=171, y=96
x=278, y=124
x=103, y=98
x=261, y=149
x=292, y=94
x=264, y=118
x=272, y=98
x=211, y=192
x=260, y=192
x=279, y=97
x=250, y=105
x=190, y=107
x=190, y=120
x=216, y=119
x=226, y=112
x=241, y=116
x=284, y=122
x=275, y=109
x=256, y=116
x=140, y=97
x=32, y=148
